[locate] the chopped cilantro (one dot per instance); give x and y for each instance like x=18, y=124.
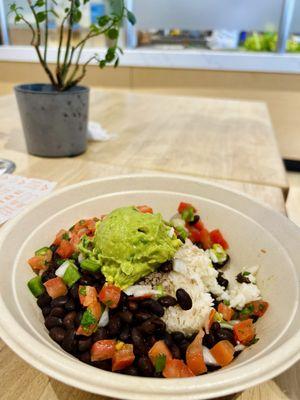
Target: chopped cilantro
x=261, y=307
x=160, y=363
x=65, y=236
x=82, y=291
x=247, y=310
x=246, y=273
x=87, y=319
x=226, y=302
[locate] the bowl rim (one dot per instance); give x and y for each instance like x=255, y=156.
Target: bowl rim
x=250, y=374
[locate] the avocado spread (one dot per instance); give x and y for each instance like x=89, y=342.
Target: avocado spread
x=129, y=245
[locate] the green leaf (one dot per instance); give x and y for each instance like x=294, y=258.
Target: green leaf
x=116, y=64
x=77, y=3
x=246, y=273
x=160, y=363
x=110, y=54
x=85, y=1
x=41, y=16
x=94, y=28
x=88, y=319
x=102, y=64
x=104, y=20
x=39, y=3
x=17, y=18
x=77, y=15
x=113, y=33
x=121, y=50
x=67, y=10
x=131, y=17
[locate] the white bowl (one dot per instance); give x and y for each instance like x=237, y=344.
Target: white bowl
x=256, y=234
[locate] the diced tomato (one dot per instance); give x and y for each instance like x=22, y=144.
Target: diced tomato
x=205, y=239
x=217, y=237
x=244, y=331
x=194, y=355
x=84, y=226
x=37, y=263
x=145, y=209
x=95, y=311
x=210, y=320
x=59, y=237
x=259, y=307
x=194, y=234
x=123, y=357
x=65, y=249
x=182, y=206
x=223, y=352
x=159, y=348
x=199, y=225
x=56, y=287
x=87, y=295
x=226, y=311
x=110, y=295
x=103, y=350
x=75, y=240
x=176, y=369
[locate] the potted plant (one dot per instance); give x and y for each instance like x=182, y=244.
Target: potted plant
x=54, y=116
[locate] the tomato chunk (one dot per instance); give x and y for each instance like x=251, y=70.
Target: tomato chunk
x=194, y=355
x=65, y=249
x=90, y=319
x=226, y=311
x=110, y=295
x=87, y=295
x=244, y=331
x=158, y=349
x=145, y=209
x=223, y=352
x=37, y=263
x=56, y=287
x=194, y=234
x=123, y=357
x=103, y=350
x=182, y=206
x=84, y=226
x=205, y=239
x=176, y=369
x=217, y=237
x=199, y=225
x=259, y=307
x=60, y=235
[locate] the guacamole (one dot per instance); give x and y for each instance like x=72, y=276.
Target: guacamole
x=129, y=245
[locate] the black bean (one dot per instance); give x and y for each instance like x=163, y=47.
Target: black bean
x=183, y=346
x=142, y=316
x=46, y=310
x=78, y=318
x=145, y=366
x=184, y=299
x=153, y=306
x=69, y=320
x=100, y=334
x=70, y=305
x=192, y=337
x=123, y=298
x=74, y=291
x=219, y=265
x=132, y=305
x=226, y=334
x=132, y=370
x=175, y=350
x=126, y=316
x=85, y=357
x=222, y=281
x=47, y=275
x=87, y=280
x=125, y=334
x=150, y=341
x=59, y=301
x=167, y=301
x=195, y=219
x=212, y=368
x=236, y=353
x=166, y=267
x=44, y=300
x=242, y=278
x=139, y=346
x=57, y=312
x=51, y=322
x=254, y=318
x=178, y=337
x=114, y=325
x=99, y=277
x=84, y=344
x=105, y=364
x=168, y=339
x=69, y=342
x=209, y=340
x=57, y=334
x=215, y=327
x=159, y=324
x=147, y=327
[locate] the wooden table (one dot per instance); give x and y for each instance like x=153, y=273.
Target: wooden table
x=228, y=142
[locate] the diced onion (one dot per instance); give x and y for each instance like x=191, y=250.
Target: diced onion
x=171, y=232
x=104, y=318
x=80, y=258
x=140, y=290
x=209, y=359
x=62, y=269
x=239, y=347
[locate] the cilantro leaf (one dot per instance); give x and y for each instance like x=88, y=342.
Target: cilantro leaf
x=160, y=363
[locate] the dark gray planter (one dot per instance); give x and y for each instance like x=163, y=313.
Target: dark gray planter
x=54, y=123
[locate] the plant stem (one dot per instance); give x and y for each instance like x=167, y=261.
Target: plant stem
x=72, y=82
x=46, y=32
x=61, y=33
x=70, y=31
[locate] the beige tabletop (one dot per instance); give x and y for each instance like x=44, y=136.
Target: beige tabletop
x=227, y=142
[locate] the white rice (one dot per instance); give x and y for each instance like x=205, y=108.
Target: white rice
x=193, y=272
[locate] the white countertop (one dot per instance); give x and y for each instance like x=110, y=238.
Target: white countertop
x=178, y=58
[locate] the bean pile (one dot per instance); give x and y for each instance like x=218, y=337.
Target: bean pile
x=134, y=321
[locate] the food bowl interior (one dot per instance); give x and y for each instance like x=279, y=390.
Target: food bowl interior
x=251, y=243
